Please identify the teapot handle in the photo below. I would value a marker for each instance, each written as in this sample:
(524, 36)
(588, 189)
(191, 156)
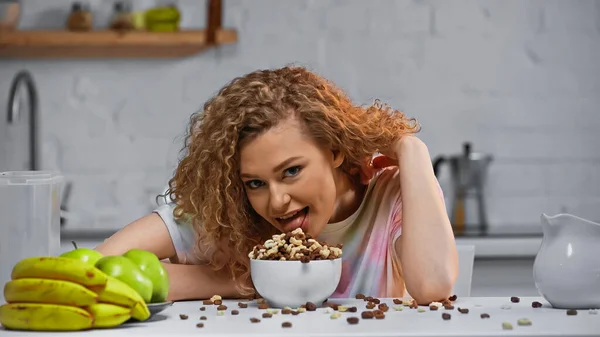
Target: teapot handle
(437, 162)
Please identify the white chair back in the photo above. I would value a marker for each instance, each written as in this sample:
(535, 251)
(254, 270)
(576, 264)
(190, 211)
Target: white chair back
(466, 258)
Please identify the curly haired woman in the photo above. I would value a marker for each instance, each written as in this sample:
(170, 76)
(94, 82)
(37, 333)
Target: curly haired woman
(279, 149)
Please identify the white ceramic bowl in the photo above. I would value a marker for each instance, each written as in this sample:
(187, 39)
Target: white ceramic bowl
(293, 283)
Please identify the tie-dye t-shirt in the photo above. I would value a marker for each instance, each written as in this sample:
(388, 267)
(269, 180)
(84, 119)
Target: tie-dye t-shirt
(370, 263)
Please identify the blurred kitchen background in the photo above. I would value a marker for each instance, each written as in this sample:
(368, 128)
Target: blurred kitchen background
(515, 84)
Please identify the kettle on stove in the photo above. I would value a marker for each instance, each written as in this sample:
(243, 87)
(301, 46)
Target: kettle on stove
(468, 172)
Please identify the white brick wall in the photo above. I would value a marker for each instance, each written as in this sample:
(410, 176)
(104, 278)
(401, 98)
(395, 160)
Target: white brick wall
(520, 79)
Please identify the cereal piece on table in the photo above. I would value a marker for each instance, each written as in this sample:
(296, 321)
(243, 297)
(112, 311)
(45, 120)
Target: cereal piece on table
(202, 308)
(222, 307)
(207, 302)
(200, 325)
(267, 315)
(515, 299)
(203, 318)
(506, 326)
(446, 316)
(352, 320)
(254, 320)
(433, 307)
(383, 307)
(352, 309)
(536, 304)
(215, 298)
(263, 306)
(182, 316)
(524, 322)
(485, 315)
(370, 305)
(286, 324)
(242, 305)
(235, 312)
(335, 315)
(449, 307)
(301, 309)
(436, 304)
(407, 302)
(359, 296)
(571, 312)
(397, 301)
(452, 298)
(421, 310)
(295, 312)
(311, 306)
(342, 308)
(399, 308)
(367, 315)
(378, 314)
(463, 310)
(273, 311)
(218, 302)
(376, 300)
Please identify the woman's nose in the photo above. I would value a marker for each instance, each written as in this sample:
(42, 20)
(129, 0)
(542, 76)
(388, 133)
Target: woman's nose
(279, 199)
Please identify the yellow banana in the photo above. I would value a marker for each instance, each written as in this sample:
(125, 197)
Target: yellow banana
(37, 290)
(140, 311)
(118, 292)
(59, 268)
(108, 315)
(44, 317)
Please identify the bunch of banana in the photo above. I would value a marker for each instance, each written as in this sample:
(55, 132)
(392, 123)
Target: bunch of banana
(63, 294)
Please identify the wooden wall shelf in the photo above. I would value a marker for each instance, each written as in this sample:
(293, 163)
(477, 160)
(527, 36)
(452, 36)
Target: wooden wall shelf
(109, 44)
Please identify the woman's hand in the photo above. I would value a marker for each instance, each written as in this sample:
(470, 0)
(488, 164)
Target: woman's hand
(389, 157)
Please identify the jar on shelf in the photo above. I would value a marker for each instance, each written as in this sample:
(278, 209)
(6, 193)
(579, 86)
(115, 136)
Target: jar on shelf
(122, 19)
(80, 19)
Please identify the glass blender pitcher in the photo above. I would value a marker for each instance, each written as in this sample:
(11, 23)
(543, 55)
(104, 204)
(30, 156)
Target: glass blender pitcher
(29, 217)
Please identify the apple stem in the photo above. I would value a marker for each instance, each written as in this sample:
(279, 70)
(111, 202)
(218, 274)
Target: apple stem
(74, 244)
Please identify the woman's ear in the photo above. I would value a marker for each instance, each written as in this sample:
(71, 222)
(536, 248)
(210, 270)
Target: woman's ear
(338, 158)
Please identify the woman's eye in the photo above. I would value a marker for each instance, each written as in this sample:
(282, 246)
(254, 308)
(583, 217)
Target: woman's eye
(292, 171)
(252, 184)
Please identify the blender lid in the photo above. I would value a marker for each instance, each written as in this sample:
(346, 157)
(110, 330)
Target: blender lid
(30, 178)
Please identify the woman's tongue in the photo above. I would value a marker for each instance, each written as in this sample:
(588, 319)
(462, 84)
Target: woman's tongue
(295, 221)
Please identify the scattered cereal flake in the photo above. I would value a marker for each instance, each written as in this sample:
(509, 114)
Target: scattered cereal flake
(506, 326)
(435, 304)
(407, 302)
(287, 308)
(273, 311)
(342, 308)
(400, 308)
(216, 297)
(335, 315)
(220, 313)
(524, 322)
(301, 309)
(421, 310)
(505, 307)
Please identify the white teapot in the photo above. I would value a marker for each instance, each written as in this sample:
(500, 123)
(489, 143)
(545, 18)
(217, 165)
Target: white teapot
(566, 270)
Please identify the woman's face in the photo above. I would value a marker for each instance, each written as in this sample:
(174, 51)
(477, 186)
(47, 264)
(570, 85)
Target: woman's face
(289, 179)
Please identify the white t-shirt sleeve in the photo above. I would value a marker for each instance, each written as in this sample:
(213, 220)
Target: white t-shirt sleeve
(182, 234)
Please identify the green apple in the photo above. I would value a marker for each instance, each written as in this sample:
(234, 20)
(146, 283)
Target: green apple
(86, 255)
(125, 270)
(150, 265)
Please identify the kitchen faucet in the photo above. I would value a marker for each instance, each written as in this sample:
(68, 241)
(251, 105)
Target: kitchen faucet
(14, 109)
(24, 78)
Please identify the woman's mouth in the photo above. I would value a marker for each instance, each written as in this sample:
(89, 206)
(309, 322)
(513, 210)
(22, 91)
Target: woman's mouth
(298, 219)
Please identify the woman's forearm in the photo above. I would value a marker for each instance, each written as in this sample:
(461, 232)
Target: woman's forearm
(426, 248)
(194, 282)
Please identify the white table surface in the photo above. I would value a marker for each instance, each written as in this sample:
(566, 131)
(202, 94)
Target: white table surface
(546, 321)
